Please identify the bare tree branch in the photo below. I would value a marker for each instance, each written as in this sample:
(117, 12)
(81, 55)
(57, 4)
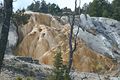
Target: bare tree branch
(73, 48)
(72, 23)
(75, 36)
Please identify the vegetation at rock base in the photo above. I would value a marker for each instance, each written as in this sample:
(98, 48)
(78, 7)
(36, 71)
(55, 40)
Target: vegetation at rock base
(18, 78)
(60, 71)
(27, 78)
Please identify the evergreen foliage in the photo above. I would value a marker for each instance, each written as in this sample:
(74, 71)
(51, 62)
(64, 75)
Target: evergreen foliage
(35, 7)
(44, 7)
(20, 18)
(60, 71)
(27, 78)
(103, 8)
(99, 8)
(54, 9)
(116, 9)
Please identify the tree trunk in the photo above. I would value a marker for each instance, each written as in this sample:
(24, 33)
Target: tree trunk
(73, 48)
(5, 29)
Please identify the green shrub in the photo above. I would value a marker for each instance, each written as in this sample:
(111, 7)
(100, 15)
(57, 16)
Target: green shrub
(27, 78)
(20, 18)
(18, 78)
(60, 71)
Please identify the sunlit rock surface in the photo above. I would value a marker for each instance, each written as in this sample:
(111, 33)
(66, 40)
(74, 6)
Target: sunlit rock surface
(25, 67)
(43, 34)
(100, 34)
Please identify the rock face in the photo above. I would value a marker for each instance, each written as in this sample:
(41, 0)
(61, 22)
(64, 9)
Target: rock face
(91, 76)
(101, 34)
(25, 67)
(42, 36)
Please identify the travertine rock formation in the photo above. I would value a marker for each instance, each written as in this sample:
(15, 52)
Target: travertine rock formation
(43, 34)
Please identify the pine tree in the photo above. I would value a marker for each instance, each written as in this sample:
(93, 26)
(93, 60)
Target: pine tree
(44, 7)
(116, 9)
(60, 71)
(99, 8)
(94, 8)
(35, 7)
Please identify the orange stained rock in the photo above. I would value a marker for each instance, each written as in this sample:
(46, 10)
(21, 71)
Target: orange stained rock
(43, 34)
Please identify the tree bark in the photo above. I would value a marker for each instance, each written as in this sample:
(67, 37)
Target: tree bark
(71, 38)
(5, 29)
(73, 48)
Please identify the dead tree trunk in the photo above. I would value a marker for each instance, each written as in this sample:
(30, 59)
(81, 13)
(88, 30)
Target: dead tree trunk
(5, 29)
(71, 38)
(73, 48)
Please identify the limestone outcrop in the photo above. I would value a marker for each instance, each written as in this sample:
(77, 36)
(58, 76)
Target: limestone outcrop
(100, 34)
(42, 36)
(25, 67)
